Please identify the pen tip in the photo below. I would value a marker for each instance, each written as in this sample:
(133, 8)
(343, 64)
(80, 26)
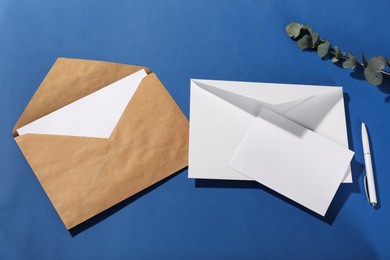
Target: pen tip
(363, 126)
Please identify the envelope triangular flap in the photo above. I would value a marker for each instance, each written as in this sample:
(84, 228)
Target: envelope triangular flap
(249, 104)
(269, 93)
(69, 80)
(84, 176)
(318, 108)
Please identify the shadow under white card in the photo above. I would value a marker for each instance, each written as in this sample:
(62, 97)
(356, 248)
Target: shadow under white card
(292, 160)
(95, 115)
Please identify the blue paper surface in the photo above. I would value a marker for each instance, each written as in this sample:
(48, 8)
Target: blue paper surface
(180, 217)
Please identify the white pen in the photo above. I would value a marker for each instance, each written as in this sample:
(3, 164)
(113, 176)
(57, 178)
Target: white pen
(369, 182)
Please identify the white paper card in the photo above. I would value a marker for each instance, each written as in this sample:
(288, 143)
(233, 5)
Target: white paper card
(292, 160)
(95, 115)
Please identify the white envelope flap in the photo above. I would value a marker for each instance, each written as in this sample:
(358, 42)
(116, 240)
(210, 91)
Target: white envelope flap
(293, 101)
(270, 93)
(94, 115)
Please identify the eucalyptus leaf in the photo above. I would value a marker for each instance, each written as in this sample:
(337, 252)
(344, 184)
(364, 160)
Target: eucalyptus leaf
(323, 49)
(337, 55)
(305, 42)
(294, 29)
(315, 37)
(374, 69)
(350, 62)
(373, 77)
(376, 64)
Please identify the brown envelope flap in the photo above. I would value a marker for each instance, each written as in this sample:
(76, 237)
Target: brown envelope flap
(69, 80)
(84, 176)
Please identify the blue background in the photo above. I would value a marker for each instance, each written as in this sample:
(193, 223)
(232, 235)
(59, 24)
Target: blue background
(180, 217)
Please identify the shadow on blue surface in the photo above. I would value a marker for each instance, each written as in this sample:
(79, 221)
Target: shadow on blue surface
(339, 200)
(358, 73)
(385, 87)
(103, 215)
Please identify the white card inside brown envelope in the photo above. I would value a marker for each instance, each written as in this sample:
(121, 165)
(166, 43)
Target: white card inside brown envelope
(95, 115)
(83, 176)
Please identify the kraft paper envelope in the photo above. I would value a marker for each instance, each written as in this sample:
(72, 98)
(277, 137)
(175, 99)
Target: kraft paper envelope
(96, 133)
(223, 115)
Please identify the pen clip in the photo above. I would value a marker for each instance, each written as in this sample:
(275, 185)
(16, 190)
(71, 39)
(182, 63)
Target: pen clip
(366, 188)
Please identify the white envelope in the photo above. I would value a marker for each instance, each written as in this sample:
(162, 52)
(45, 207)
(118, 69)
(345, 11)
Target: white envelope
(222, 113)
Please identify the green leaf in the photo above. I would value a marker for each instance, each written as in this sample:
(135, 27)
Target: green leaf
(315, 37)
(382, 58)
(337, 55)
(376, 64)
(305, 42)
(350, 62)
(293, 29)
(373, 77)
(364, 60)
(323, 49)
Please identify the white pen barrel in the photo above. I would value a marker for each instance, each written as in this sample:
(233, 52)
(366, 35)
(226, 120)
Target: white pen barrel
(370, 179)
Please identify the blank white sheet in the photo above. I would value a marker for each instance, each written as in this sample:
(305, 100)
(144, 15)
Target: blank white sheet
(292, 160)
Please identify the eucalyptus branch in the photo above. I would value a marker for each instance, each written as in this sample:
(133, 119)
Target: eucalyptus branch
(307, 39)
